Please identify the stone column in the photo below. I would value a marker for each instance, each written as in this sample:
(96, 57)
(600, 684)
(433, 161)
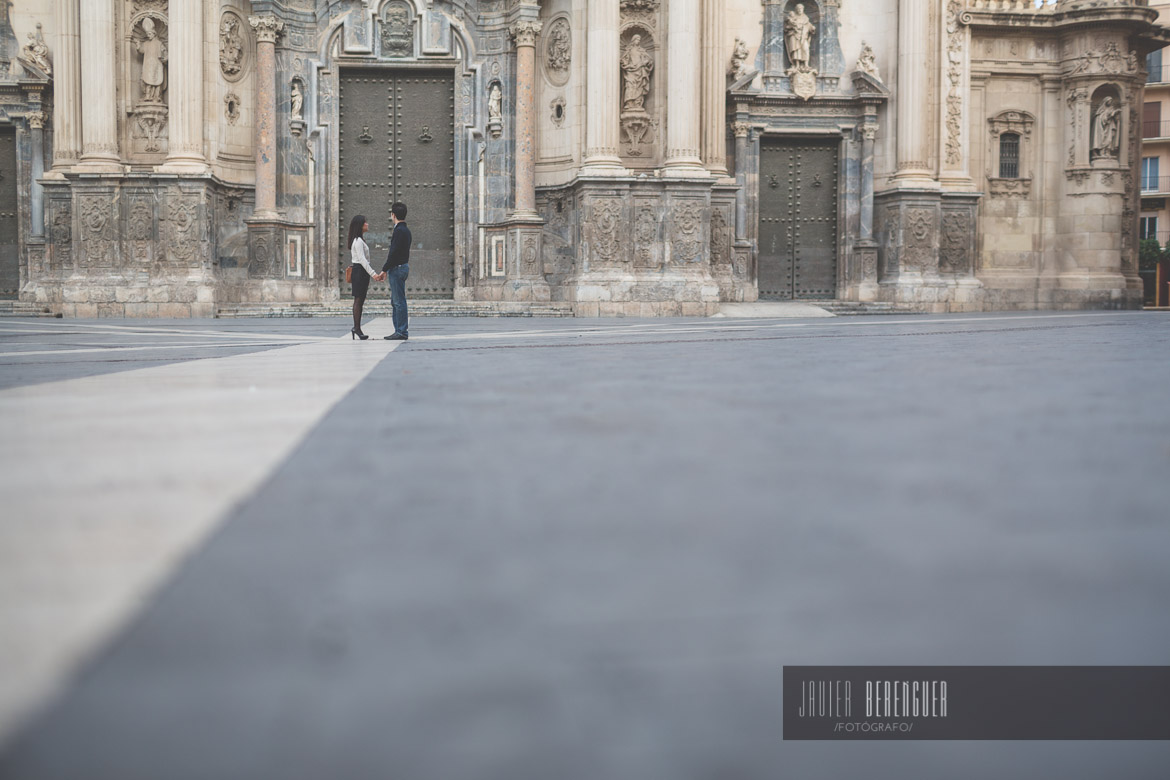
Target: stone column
(185, 84)
(603, 88)
(67, 88)
(682, 98)
(525, 33)
(267, 30)
(36, 126)
(868, 134)
(914, 100)
(99, 133)
(741, 178)
(714, 69)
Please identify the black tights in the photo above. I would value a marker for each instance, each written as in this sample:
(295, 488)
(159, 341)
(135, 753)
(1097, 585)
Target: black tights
(357, 313)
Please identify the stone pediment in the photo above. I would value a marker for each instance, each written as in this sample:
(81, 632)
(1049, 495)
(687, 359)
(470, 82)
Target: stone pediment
(868, 84)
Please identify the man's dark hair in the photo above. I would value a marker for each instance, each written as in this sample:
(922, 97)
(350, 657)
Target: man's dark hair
(399, 210)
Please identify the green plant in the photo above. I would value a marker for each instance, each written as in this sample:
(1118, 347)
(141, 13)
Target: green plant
(1150, 253)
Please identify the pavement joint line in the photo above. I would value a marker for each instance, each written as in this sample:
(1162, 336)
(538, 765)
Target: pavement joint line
(235, 345)
(969, 331)
(66, 325)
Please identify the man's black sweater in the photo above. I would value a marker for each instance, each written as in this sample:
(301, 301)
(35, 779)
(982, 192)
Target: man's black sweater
(399, 253)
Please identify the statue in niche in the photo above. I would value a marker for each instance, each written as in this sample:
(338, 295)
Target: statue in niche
(1107, 130)
(495, 105)
(636, 65)
(739, 56)
(798, 33)
(231, 46)
(36, 52)
(560, 47)
(298, 99)
(154, 57)
(867, 63)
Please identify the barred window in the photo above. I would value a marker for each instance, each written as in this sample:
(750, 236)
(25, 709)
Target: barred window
(1009, 156)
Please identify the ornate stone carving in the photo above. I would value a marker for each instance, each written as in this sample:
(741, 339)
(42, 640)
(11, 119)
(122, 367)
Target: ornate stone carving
(36, 120)
(919, 240)
(646, 234)
(61, 230)
(152, 125)
(36, 53)
(954, 252)
(686, 235)
(267, 28)
(1015, 189)
(605, 217)
(798, 34)
(233, 49)
(720, 239)
(1105, 58)
(296, 100)
(557, 111)
(1106, 142)
(525, 33)
(867, 62)
(140, 219)
(397, 31)
(495, 110)
(231, 103)
(558, 51)
(149, 43)
(956, 38)
(528, 256)
(740, 129)
(184, 234)
(739, 57)
(635, 6)
(97, 224)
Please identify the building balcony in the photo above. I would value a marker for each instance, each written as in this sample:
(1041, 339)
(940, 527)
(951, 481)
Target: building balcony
(1156, 131)
(1154, 186)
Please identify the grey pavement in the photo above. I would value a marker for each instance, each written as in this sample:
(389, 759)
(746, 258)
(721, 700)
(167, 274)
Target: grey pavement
(587, 549)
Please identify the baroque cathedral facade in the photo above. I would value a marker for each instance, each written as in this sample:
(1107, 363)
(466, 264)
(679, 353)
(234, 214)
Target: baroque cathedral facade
(611, 157)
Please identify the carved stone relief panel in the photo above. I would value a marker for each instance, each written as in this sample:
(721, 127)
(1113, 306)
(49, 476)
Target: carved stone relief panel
(233, 46)
(956, 58)
(955, 249)
(720, 238)
(398, 30)
(647, 242)
(139, 230)
(918, 250)
(605, 231)
(60, 234)
(98, 230)
(183, 233)
(686, 232)
(558, 51)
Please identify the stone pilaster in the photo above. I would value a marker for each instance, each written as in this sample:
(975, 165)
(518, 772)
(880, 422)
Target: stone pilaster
(525, 34)
(185, 85)
(603, 85)
(36, 125)
(67, 87)
(741, 129)
(99, 132)
(267, 30)
(714, 113)
(913, 94)
(682, 99)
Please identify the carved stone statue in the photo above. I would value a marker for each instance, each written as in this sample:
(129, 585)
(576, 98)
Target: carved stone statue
(298, 99)
(560, 46)
(1107, 130)
(36, 52)
(636, 65)
(866, 63)
(495, 105)
(739, 57)
(231, 46)
(798, 33)
(154, 55)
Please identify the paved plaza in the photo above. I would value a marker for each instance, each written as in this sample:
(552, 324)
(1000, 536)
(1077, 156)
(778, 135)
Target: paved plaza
(572, 549)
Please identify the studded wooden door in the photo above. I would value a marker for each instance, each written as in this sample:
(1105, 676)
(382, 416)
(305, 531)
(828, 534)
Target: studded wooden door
(9, 248)
(798, 220)
(397, 143)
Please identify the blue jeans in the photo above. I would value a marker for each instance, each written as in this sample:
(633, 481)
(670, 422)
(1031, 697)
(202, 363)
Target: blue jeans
(396, 276)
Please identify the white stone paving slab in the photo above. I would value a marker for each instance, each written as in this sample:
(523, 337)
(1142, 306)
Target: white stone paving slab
(108, 482)
(770, 309)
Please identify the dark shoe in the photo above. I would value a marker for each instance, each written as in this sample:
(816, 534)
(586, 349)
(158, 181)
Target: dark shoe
(355, 332)
(395, 337)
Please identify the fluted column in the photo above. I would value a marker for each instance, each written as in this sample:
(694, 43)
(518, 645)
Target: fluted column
(185, 86)
(99, 130)
(603, 87)
(912, 91)
(267, 30)
(67, 87)
(525, 35)
(714, 77)
(682, 99)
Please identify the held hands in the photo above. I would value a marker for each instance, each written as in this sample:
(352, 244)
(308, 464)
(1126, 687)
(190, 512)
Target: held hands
(380, 277)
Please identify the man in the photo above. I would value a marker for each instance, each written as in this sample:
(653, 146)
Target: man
(397, 268)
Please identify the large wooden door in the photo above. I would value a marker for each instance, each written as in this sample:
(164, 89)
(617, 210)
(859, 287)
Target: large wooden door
(798, 220)
(9, 246)
(397, 143)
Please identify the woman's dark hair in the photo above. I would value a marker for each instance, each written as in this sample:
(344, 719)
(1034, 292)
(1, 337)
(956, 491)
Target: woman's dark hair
(355, 230)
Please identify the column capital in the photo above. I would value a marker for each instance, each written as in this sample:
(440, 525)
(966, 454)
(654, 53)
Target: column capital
(267, 28)
(36, 120)
(740, 129)
(869, 132)
(525, 32)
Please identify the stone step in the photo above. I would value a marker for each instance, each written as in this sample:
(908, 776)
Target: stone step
(25, 309)
(419, 308)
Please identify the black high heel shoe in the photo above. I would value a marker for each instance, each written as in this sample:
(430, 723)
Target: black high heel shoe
(355, 332)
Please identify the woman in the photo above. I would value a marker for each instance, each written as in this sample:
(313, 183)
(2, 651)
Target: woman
(359, 255)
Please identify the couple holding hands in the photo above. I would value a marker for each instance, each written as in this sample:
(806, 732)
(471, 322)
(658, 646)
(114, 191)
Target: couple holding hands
(396, 269)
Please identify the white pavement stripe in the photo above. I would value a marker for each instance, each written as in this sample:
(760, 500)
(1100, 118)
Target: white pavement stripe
(83, 350)
(108, 482)
(171, 332)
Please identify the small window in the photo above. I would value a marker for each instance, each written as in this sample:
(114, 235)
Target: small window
(1154, 67)
(1150, 174)
(1009, 156)
(1148, 228)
